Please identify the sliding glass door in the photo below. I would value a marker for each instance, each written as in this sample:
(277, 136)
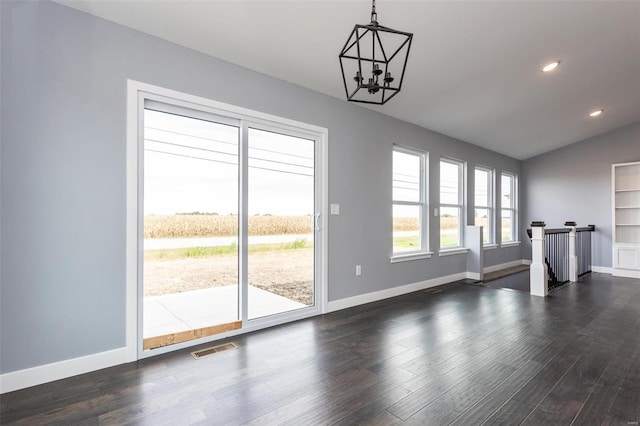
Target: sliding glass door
(281, 210)
(190, 275)
(229, 223)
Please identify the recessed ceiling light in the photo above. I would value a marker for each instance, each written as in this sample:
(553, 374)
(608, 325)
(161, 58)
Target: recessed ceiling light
(550, 66)
(596, 113)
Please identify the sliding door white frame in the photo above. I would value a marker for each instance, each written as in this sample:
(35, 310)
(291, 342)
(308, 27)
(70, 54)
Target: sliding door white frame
(137, 93)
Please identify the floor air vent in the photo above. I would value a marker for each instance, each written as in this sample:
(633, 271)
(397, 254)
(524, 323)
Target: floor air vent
(432, 290)
(213, 350)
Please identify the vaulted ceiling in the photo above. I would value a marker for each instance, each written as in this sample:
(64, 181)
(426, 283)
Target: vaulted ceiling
(474, 71)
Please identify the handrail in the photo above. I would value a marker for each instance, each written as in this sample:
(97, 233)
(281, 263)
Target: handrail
(564, 253)
(588, 228)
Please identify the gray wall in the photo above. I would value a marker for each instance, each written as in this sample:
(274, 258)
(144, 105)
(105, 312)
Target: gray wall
(574, 183)
(63, 175)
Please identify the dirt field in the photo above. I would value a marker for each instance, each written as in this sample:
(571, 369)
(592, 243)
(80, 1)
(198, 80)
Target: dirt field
(286, 273)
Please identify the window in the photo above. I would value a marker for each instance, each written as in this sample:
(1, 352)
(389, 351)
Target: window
(483, 202)
(508, 202)
(451, 203)
(409, 201)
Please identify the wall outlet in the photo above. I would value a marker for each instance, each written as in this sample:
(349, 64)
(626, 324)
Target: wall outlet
(358, 270)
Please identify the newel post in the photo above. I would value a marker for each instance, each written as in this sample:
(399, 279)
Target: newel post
(573, 258)
(538, 275)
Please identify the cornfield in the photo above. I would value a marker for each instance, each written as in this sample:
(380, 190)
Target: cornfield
(446, 222)
(198, 225)
(411, 224)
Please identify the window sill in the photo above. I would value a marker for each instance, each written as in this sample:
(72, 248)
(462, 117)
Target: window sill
(412, 256)
(490, 246)
(451, 252)
(510, 244)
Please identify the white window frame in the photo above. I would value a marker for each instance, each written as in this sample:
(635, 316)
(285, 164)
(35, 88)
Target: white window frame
(512, 207)
(422, 204)
(490, 206)
(460, 205)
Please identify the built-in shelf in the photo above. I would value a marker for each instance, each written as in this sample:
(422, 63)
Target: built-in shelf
(626, 219)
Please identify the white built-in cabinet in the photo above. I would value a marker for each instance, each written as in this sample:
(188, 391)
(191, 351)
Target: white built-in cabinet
(626, 219)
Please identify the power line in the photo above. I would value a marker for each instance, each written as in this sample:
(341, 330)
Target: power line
(190, 147)
(226, 153)
(235, 144)
(190, 156)
(407, 175)
(406, 181)
(225, 162)
(405, 188)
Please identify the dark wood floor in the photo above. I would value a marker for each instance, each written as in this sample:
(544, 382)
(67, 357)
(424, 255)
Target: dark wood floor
(466, 356)
(518, 281)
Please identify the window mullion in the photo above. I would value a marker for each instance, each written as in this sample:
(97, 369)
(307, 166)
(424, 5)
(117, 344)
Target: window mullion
(243, 208)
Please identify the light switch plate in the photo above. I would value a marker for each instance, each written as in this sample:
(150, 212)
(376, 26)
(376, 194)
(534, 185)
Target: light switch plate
(335, 208)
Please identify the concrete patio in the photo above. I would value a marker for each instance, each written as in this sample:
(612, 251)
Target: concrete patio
(172, 313)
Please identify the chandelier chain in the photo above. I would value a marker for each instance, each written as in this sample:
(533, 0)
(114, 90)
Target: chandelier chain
(374, 15)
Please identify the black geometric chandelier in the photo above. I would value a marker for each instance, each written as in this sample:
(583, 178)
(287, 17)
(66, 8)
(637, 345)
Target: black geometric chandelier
(373, 61)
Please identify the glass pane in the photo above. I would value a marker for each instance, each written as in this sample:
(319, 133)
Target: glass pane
(482, 219)
(449, 227)
(506, 189)
(406, 177)
(406, 228)
(190, 277)
(507, 226)
(481, 198)
(281, 212)
(449, 183)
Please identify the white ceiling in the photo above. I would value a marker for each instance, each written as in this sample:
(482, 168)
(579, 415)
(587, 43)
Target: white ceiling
(474, 67)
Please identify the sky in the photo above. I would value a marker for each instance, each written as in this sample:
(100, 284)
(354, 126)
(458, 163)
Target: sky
(191, 165)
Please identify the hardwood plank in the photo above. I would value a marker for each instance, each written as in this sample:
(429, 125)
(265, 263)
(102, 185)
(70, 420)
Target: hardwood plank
(568, 396)
(435, 384)
(324, 405)
(493, 400)
(462, 397)
(554, 409)
(626, 405)
(374, 411)
(597, 405)
(529, 396)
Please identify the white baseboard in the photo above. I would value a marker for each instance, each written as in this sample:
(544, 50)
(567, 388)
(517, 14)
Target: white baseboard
(350, 302)
(511, 264)
(626, 273)
(473, 276)
(602, 269)
(28, 377)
